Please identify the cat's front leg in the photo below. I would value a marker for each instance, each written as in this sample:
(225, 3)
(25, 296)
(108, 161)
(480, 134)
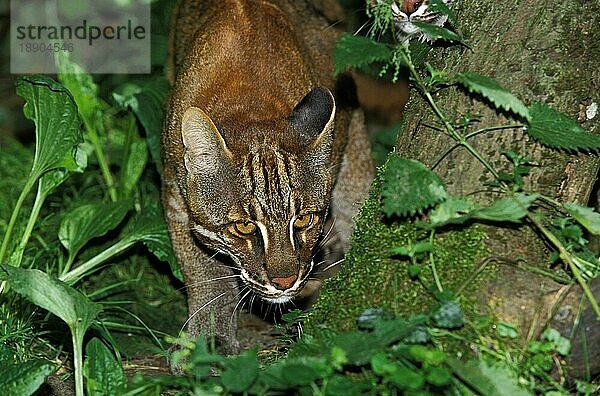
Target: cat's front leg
(211, 287)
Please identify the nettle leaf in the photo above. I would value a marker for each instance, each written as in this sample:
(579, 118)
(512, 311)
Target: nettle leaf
(585, 216)
(24, 378)
(357, 51)
(409, 187)
(506, 209)
(45, 291)
(51, 107)
(103, 372)
(435, 32)
(490, 89)
(89, 221)
(452, 210)
(147, 102)
(554, 129)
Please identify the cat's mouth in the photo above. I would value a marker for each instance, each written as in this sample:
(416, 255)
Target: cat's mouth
(278, 295)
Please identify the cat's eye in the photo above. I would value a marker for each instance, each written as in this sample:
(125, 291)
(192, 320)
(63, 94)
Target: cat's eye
(244, 227)
(305, 220)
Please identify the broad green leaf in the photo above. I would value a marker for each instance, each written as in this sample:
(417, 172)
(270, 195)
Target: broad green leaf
(407, 378)
(89, 221)
(47, 292)
(25, 378)
(452, 210)
(490, 89)
(585, 216)
(554, 129)
(147, 102)
(357, 51)
(240, 372)
(506, 209)
(438, 376)
(150, 228)
(305, 370)
(104, 374)
(429, 356)
(134, 167)
(561, 344)
(487, 380)
(51, 107)
(435, 32)
(382, 365)
(409, 187)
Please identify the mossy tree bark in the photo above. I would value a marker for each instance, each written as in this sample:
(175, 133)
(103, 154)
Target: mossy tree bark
(542, 51)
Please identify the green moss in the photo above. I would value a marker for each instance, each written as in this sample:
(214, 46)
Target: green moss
(370, 277)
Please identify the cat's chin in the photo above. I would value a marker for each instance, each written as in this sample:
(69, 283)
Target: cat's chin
(278, 300)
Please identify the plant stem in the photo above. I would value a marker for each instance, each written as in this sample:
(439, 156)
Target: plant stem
(73, 276)
(77, 339)
(104, 168)
(493, 128)
(15, 214)
(35, 212)
(565, 255)
(432, 264)
(451, 131)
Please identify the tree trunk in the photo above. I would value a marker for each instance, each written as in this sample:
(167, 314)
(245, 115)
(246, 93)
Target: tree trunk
(542, 51)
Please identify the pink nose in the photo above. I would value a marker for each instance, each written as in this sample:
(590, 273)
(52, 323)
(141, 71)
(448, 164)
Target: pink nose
(284, 283)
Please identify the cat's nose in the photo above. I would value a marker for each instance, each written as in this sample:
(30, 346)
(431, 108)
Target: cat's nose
(410, 6)
(284, 283)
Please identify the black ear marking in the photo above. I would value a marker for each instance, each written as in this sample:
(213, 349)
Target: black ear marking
(313, 113)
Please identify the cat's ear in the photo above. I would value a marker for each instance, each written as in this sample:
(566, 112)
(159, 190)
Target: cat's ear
(205, 148)
(314, 115)
(313, 121)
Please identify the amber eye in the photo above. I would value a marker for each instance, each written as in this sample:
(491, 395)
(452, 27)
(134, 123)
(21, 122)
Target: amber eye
(305, 220)
(243, 228)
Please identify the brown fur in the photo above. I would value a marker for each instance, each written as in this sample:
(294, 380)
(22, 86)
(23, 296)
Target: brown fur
(240, 145)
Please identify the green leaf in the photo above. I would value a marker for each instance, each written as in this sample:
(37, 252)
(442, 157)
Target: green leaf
(134, 167)
(449, 315)
(89, 221)
(409, 187)
(303, 371)
(104, 374)
(561, 344)
(150, 228)
(406, 378)
(357, 51)
(554, 129)
(25, 378)
(47, 292)
(426, 355)
(587, 217)
(435, 32)
(452, 210)
(240, 372)
(147, 102)
(487, 380)
(382, 366)
(506, 209)
(50, 106)
(438, 376)
(490, 89)
(507, 330)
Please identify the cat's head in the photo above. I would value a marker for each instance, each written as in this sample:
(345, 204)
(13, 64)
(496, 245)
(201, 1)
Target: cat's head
(405, 12)
(263, 201)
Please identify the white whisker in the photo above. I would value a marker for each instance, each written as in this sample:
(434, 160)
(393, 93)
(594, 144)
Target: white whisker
(200, 309)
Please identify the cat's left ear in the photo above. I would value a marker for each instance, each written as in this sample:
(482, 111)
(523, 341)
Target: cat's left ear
(313, 117)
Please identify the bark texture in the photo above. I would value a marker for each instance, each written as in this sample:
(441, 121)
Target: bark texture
(542, 51)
